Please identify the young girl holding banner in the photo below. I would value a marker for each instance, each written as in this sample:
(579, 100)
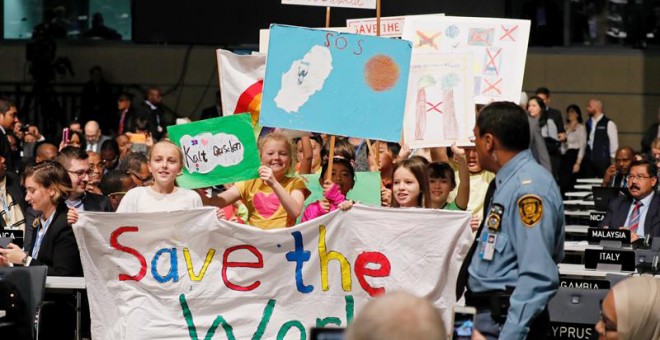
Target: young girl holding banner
(165, 164)
(273, 200)
(410, 185)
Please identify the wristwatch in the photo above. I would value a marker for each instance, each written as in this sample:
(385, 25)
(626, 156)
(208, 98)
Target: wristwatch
(26, 260)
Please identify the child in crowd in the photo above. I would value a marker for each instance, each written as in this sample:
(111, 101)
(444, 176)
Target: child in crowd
(309, 154)
(165, 164)
(335, 191)
(273, 200)
(442, 182)
(343, 149)
(388, 153)
(410, 184)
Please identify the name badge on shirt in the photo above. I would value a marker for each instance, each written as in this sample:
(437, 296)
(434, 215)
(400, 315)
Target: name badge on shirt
(487, 250)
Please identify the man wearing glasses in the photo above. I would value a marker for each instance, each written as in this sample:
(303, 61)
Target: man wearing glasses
(76, 163)
(640, 210)
(136, 165)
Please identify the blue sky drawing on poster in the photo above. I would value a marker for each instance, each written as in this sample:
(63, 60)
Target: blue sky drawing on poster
(336, 83)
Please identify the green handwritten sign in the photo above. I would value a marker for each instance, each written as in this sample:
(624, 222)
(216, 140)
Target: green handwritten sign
(216, 151)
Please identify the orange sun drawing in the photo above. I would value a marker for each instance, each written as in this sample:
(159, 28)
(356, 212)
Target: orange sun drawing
(381, 73)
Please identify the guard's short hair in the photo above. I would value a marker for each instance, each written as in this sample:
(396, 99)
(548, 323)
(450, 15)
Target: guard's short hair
(506, 121)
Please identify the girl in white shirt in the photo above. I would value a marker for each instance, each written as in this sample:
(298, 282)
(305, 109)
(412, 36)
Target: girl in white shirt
(165, 164)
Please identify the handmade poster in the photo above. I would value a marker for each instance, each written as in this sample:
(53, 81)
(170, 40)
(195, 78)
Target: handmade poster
(186, 275)
(366, 4)
(440, 102)
(391, 27)
(366, 189)
(336, 83)
(241, 82)
(499, 48)
(264, 36)
(216, 151)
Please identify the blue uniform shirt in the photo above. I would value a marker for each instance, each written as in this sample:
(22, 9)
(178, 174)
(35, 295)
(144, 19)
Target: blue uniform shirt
(529, 244)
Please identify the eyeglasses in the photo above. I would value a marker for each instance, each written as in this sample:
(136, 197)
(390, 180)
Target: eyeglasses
(81, 173)
(144, 181)
(637, 177)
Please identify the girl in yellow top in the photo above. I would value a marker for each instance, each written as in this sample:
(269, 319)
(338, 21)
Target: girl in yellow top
(273, 200)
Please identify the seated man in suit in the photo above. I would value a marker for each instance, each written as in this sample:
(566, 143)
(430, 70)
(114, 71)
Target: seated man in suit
(616, 175)
(640, 210)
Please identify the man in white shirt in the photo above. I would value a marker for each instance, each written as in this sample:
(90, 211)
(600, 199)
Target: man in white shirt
(602, 140)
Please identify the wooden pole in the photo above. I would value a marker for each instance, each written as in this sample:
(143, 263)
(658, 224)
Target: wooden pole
(331, 158)
(327, 17)
(331, 155)
(378, 18)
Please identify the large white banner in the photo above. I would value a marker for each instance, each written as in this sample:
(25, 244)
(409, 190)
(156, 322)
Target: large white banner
(184, 274)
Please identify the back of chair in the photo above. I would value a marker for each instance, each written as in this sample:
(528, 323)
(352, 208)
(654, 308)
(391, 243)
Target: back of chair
(30, 282)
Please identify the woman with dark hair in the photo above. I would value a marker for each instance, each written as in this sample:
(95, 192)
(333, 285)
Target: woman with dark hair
(47, 185)
(537, 110)
(572, 150)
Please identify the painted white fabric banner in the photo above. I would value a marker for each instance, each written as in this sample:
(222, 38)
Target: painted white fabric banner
(184, 274)
(499, 47)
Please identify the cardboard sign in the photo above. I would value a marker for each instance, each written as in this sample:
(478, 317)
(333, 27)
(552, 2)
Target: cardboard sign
(499, 47)
(391, 27)
(335, 83)
(439, 101)
(216, 151)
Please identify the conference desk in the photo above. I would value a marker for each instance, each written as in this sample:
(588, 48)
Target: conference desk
(589, 180)
(580, 203)
(69, 284)
(576, 229)
(578, 193)
(579, 213)
(584, 186)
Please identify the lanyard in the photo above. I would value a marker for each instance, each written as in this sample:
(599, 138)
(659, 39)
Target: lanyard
(43, 228)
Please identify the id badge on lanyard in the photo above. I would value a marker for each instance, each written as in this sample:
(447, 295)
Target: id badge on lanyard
(489, 238)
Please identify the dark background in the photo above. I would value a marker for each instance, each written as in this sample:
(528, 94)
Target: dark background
(231, 23)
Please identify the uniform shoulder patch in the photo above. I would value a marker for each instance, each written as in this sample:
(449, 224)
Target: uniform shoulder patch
(530, 208)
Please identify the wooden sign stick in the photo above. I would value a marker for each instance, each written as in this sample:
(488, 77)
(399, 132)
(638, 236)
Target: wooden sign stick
(327, 17)
(378, 18)
(331, 155)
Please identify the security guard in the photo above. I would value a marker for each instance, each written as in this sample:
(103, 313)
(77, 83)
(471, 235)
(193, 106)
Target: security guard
(512, 272)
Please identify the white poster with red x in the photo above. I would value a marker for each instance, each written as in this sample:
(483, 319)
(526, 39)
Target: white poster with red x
(439, 100)
(498, 46)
